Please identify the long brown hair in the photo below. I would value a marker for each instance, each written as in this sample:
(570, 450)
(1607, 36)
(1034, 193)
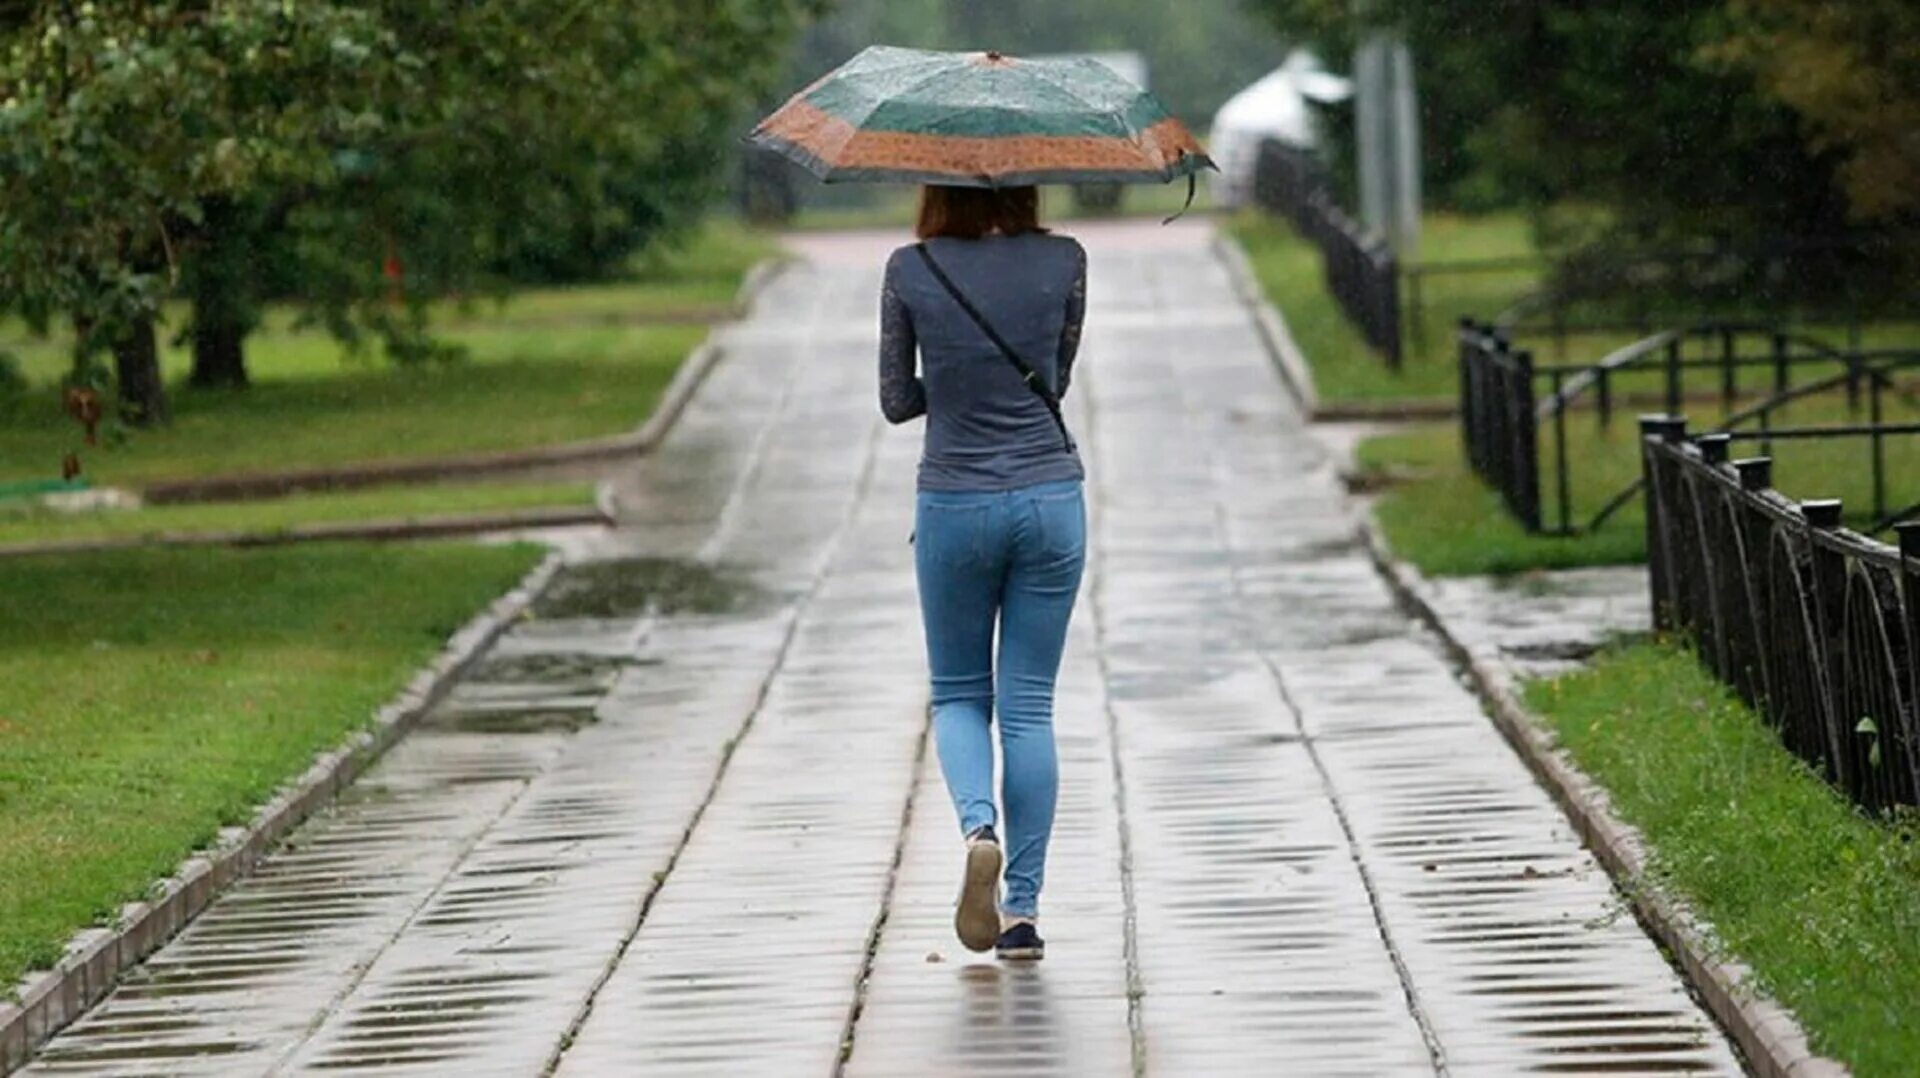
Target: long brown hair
(969, 213)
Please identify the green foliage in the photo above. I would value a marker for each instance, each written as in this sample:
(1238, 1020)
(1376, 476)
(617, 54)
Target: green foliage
(1852, 72)
(1607, 103)
(317, 146)
(1822, 903)
(117, 119)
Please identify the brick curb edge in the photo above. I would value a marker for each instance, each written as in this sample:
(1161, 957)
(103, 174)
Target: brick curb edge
(398, 529)
(95, 957)
(1768, 1035)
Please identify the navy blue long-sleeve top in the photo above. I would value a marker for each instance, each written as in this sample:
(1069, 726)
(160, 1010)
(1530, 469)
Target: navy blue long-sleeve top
(986, 430)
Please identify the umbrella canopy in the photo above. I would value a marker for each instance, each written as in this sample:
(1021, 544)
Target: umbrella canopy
(979, 119)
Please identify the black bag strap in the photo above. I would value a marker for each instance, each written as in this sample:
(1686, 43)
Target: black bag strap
(1027, 374)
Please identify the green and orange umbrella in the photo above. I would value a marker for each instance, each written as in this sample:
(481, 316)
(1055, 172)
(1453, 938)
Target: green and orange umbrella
(979, 119)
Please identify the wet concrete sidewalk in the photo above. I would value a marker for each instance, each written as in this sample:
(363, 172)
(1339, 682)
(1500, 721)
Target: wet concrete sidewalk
(687, 821)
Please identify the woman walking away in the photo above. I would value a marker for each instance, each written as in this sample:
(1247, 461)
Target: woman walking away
(994, 303)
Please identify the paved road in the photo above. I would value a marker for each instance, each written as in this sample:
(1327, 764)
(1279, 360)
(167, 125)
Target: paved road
(707, 837)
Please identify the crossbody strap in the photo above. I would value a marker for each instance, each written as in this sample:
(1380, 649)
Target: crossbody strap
(1027, 374)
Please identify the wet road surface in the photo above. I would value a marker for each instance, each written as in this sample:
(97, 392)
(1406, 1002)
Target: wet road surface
(686, 821)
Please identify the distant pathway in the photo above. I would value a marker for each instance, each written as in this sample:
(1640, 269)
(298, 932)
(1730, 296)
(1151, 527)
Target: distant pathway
(713, 840)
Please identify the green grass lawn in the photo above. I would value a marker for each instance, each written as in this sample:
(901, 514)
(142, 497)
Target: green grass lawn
(148, 698)
(549, 366)
(1821, 902)
(1345, 368)
(1438, 515)
(413, 502)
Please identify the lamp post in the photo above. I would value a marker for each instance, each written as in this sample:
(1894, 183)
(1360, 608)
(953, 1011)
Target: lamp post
(1387, 134)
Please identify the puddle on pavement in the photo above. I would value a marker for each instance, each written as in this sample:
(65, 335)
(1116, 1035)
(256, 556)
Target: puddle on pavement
(1572, 651)
(542, 721)
(633, 587)
(538, 668)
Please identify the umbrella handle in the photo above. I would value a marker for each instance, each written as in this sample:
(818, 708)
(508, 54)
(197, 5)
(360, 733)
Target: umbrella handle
(1189, 203)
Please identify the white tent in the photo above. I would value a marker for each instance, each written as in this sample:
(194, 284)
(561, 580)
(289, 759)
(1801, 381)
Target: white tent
(1277, 107)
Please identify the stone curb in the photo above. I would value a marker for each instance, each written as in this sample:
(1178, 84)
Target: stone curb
(395, 529)
(95, 957)
(687, 379)
(1281, 347)
(1768, 1035)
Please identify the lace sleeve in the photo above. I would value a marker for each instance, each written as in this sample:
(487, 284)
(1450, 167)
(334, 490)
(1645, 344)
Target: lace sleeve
(1076, 318)
(902, 395)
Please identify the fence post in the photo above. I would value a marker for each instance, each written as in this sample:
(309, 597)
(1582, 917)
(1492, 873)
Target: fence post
(1879, 447)
(1658, 429)
(1713, 447)
(1560, 466)
(1673, 375)
(1908, 532)
(1756, 473)
(1524, 479)
(1829, 610)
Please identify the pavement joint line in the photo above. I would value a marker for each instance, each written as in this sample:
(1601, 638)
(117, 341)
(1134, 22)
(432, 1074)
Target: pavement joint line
(1130, 919)
(848, 1038)
(862, 486)
(1223, 524)
(332, 1007)
(756, 459)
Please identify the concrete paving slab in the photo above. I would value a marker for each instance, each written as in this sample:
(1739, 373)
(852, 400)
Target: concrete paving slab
(705, 835)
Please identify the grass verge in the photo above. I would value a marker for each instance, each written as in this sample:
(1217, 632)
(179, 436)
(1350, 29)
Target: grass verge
(1822, 903)
(546, 366)
(148, 698)
(381, 504)
(1345, 368)
(1440, 516)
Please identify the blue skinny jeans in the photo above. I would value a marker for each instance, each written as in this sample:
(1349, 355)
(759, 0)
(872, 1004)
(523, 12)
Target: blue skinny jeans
(1012, 559)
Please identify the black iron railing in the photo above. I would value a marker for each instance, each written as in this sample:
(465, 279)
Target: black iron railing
(1813, 624)
(1499, 425)
(1514, 412)
(1359, 265)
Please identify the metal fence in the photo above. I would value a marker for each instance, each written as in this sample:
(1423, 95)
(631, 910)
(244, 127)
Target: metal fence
(1508, 404)
(1813, 624)
(1360, 267)
(1498, 420)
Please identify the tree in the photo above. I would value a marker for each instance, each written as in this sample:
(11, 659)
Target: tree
(1852, 73)
(120, 122)
(355, 151)
(1608, 103)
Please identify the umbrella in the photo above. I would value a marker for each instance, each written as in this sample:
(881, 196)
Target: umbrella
(979, 119)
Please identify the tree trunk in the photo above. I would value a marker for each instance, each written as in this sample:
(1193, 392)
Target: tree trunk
(219, 352)
(136, 368)
(222, 307)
